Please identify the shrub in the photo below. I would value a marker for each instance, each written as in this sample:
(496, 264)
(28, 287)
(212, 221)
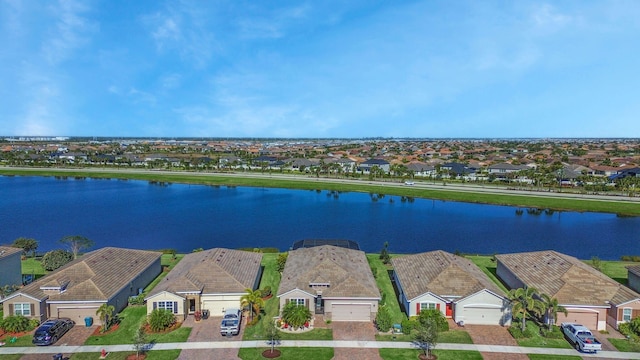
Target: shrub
(383, 319)
(281, 261)
(436, 316)
(16, 324)
(408, 326)
(161, 319)
(55, 259)
(266, 291)
(136, 300)
(516, 332)
(554, 333)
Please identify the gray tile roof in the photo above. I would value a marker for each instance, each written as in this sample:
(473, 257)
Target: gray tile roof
(213, 271)
(441, 273)
(345, 270)
(634, 269)
(566, 278)
(8, 250)
(95, 276)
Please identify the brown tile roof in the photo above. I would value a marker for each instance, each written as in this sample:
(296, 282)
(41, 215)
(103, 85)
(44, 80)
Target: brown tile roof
(345, 270)
(441, 273)
(96, 276)
(8, 250)
(213, 271)
(566, 278)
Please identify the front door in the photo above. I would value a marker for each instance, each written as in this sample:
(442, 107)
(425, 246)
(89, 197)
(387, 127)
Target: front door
(449, 310)
(192, 306)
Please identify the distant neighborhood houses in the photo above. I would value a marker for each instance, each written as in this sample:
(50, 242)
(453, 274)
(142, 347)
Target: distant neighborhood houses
(571, 162)
(332, 281)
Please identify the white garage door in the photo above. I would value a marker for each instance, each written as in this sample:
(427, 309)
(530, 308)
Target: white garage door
(78, 314)
(588, 319)
(482, 315)
(351, 312)
(217, 307)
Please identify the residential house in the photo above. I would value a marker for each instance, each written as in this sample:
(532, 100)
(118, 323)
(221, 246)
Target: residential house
(211, 280)
(332, 281)
(10, 266)
(106, 276)
(451, 284)
(590, 297)
(421, 169)
(366, 166)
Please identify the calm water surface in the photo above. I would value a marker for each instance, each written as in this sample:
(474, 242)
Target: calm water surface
(137, 214)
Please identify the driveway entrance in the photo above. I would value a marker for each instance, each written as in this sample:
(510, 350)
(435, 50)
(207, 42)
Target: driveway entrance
(359, 331)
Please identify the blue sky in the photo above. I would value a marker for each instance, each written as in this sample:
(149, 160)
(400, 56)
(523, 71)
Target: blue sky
(320, 68)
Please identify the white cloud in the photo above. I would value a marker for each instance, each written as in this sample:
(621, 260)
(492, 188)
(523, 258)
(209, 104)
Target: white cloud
(71, 31)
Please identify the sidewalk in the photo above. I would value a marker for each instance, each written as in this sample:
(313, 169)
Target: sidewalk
(310, 343)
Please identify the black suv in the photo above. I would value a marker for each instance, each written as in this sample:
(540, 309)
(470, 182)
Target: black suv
(51, 330)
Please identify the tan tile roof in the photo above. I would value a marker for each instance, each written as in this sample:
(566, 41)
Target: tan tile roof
(8, 250)
(566, 278)
(95, 276)
(442, 274)
(213, 271)
(345, 270)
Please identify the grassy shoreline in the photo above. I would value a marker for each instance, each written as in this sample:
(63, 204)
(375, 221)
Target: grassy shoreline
(304, 183)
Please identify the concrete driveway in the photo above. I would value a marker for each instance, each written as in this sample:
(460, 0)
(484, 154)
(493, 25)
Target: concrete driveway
(494, 335)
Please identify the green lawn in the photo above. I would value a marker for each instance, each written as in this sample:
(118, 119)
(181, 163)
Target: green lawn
(270, 277)
(381, 274)
(451, 337)
(31, 266)
(132, 318)
(309, 353)
(625, 345)
(315, 334)
(151, 355)
(410, 354)
(488, 266)
(617, 270)
(553, 357)
(11, 357)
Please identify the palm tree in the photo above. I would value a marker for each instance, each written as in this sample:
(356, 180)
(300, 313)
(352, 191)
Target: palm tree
(104, 312)
(253, 300)
(296, 315)
(524, 303)
(551, 309)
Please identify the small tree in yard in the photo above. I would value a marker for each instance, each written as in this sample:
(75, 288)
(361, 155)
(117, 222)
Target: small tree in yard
(425, 336)
(27, 245)
(384, 253)
(253, 300)
(273, 334)
(383, 319)
(55, 259)
(281, 261)
(296, 315)
(104, 312)
(77, 243)
(139, 341)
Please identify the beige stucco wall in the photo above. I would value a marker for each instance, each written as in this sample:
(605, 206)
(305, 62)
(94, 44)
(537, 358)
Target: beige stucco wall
(413, 304)
(167, 296)
(298, 294)
(615, 317)
(39, 308)
(76, 311)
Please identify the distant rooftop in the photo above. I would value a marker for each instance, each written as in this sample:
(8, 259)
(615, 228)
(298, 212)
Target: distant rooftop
(309, 243)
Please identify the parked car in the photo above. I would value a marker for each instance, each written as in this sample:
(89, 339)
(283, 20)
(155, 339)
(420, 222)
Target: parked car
(231, 322)
(51, 330)
(581, 337)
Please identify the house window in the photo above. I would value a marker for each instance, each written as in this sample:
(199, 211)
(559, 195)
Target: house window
(626, 314)
(297, 301)
(167, 305)
(23, 309)
(427, 306)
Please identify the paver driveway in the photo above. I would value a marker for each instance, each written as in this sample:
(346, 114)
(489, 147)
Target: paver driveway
(494, 335)
(209, 330)
(364, 331)
(76, 336)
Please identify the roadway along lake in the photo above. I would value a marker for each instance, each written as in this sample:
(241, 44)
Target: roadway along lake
(137, 214)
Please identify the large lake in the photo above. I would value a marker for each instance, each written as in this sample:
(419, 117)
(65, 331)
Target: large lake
(137, 214)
